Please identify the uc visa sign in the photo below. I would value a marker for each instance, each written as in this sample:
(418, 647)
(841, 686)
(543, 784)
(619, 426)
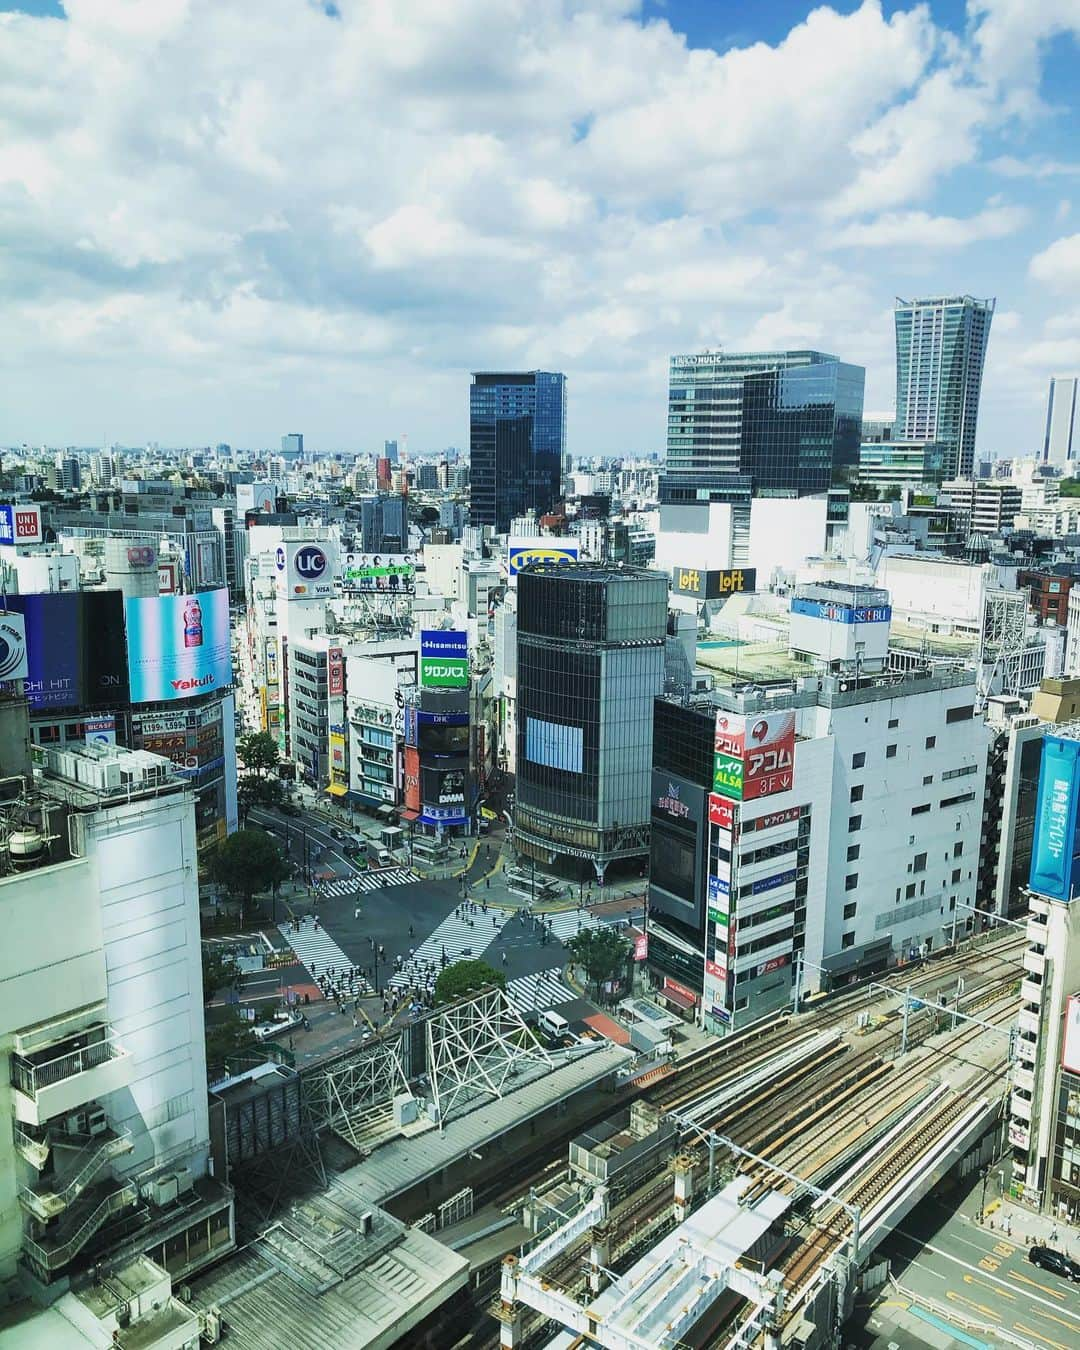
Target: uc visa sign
(305, 571)
(1055, 864)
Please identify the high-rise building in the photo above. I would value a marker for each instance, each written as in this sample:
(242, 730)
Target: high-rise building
(590, 659)
(1062, 442)
(940, 351)
(292, 445)
(786, 419)
(517, 439)
(384, 524)
(390, 451)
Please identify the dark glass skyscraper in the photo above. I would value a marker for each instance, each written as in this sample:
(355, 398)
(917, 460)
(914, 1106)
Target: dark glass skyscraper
(517, 438)
(787, 420)
(940, 351)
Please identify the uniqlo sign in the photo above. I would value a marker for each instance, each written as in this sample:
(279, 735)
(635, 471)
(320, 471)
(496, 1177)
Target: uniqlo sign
(20, 524)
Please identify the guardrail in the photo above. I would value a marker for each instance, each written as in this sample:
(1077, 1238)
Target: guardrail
(30, 1077)
(52, 1258)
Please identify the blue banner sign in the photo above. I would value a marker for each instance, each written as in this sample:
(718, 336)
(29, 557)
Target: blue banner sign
(1055, 867)
(828, 609)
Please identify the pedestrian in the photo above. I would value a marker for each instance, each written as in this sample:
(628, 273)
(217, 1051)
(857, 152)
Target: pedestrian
(504, 956)
(487, 883)
(354, 1022)
(356, 912)
(412, 933)
(494, 921)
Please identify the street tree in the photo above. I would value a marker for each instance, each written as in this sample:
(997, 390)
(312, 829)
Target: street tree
(220, 970)
(259, 784)
(230, 1044)
(466, 977)
(246, 863)
(601, 952)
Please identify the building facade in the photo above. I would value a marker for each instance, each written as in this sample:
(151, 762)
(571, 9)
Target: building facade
(1062, 441)
(517, 440)
(590, 659)
(940, 352)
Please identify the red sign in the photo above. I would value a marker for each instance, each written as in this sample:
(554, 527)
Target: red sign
(777, 963)
(669, 983)
(718, 972)
(28, 524)
(777, 818)
(142, 555)
(641, 947)
(721, 811)
(769, 756)
(335, 676)
(412, 778)
(730, 734)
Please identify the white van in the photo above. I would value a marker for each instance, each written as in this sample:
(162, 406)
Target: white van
(553, 1024)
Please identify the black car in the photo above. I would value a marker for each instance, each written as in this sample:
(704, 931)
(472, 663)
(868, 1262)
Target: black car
(1046, 1258)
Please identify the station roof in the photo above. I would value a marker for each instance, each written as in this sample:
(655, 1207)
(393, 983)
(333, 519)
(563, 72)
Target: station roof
(400, 1164)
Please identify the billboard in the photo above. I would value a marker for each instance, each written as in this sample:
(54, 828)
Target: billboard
(713, 585)
(304, 571)
(444, 658)
(1055, 867)
(378, 572)
(20, 524)
(74, 649)
(335, 672)
(412, 779)
(554, 744)
(828, 609)
(178, 645)
(721, 812)
(754, 756)
(538, 549)
(1070, 1035)
(261, 497)
(13, 662)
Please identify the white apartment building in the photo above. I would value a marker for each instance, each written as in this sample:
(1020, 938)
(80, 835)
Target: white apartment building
(101, 1016)
(862, 848)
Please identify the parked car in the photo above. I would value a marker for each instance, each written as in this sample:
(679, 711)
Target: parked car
(1048, 1258)
(282, 1022)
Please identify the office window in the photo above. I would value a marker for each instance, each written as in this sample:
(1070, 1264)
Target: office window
(854, 823)
(927, 779)
(909, 890)
(853, 852)
(890, 752)
(931, 741)
(956, 876)
(851, 881)
(962, 714)
(894, 722)
(848, 940)
(849, 910)
(919, 863)
(920, 810)
(958, 800)
(856, 793)
(858, 760)
(958, 848)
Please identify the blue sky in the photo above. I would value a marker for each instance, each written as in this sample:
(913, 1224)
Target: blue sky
(215, 231)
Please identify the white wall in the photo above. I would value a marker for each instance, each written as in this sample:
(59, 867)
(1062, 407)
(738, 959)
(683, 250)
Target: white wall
(784, 531)
(694, 536)
(938, 588)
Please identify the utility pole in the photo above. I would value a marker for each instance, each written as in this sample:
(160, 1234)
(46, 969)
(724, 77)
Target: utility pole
(907, 1005)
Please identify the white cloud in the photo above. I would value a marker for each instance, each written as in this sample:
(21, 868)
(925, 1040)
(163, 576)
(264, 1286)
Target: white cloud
(1059, 264)
(920, 230)
(1012, 167)
(225, 223)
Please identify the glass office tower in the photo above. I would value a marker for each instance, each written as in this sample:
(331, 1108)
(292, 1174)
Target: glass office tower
(1062, 443)
(787, 420)
(517, 439)
(940, 352)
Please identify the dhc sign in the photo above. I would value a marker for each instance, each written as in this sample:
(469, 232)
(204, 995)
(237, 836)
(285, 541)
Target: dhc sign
(1055, 867)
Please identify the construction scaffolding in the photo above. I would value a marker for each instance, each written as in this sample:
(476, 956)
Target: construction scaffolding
(476, 1047)
(343, 1093)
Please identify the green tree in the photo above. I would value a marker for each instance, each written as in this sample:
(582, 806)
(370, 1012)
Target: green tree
(220, 970)
(246, 863)
(1070, 487)
(259, 784)
(602, 952)
(230, 1044)
(466, 977)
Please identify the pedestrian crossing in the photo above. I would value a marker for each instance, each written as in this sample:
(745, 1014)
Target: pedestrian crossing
(537, 992)
(317, 951)
(369, 881)
(568, 923)
(460, 934)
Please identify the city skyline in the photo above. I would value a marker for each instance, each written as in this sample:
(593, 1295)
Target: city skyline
(591, 189)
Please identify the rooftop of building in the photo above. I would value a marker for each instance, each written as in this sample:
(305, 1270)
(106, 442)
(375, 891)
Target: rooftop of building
(594, 571)
(331, 1270)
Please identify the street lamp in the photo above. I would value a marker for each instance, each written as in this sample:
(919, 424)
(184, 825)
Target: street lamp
(982, 1201)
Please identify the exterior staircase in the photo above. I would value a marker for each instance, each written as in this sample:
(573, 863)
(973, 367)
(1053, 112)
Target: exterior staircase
(55, 1249)
(44, 1204)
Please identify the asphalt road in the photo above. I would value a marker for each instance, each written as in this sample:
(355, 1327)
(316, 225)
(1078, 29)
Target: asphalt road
(296, 833)
(983, 1274)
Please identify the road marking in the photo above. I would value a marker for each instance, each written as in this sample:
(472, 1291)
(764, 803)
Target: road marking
(1028, 1331)
(1004, 1249)
(979, 1307)
(970, 1279)
(989, 1263)
(1036, 1285)
(948, 1256)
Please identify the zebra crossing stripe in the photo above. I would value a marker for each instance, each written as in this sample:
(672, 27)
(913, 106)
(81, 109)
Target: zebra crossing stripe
(456, 936)
(530, 993)
(370, 881)
(317, 952)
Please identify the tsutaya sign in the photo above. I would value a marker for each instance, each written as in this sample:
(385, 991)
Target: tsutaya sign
(754, 756)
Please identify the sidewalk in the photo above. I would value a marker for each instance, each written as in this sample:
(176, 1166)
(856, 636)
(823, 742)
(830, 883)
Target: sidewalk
(1026, 1227)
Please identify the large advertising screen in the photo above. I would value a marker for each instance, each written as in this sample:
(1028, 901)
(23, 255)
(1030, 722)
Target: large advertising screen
(178, 645)
(74, 649)
(1055, 867)
(444, 658)
(754, 756)
(554, 744)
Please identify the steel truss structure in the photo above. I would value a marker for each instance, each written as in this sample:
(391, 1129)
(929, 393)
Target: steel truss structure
(1002, 640)
(476, 1046)
(341, 1090)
